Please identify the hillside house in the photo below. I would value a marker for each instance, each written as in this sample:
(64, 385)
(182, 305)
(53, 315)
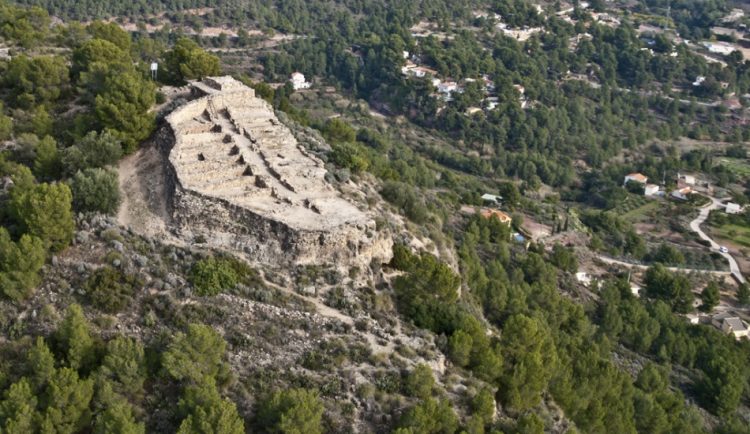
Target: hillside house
(490, 213)
(491, 199)
(587, 280)
(733, 208)
(635, 177)
(408, 67)
(606, 19)
(489, 85)
(298, 81)
(682, 193)
(719, 47)
(731, 325)
(686, 179)
(650, 190)
(447, 87)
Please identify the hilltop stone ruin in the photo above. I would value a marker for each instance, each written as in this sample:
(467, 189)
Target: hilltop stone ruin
(242, 181)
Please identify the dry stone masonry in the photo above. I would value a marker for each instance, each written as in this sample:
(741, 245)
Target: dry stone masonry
(242, 181)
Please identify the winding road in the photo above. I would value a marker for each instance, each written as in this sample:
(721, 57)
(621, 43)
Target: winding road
(695, 226)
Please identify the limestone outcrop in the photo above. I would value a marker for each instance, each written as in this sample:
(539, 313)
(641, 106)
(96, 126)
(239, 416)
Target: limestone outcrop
(242, 181)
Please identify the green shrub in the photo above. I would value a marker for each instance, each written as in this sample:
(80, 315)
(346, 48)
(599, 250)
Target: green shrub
(292, 411)
(96, 190)
(350, 156)
(20, 263)
(419, 382)
(110, 289)
(93, 150)
(214, 275)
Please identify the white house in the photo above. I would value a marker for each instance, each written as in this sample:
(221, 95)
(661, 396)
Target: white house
(489, 85)
(635, 177)
(718, 47)
(733, 208)
(686, 179)
(421, 71)
(693, 318)
(607, 19)
(699, 80)
(492, 198)
(587, 280)
(583, 278)
(635, 289)
(731, 325)
(447, 87)
(650, 190)
(298, 81)
(408, 67)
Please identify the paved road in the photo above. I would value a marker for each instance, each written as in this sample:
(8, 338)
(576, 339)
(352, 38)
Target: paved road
(695, 226)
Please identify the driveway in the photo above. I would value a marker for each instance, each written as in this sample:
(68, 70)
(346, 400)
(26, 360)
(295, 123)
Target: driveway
(695, 226)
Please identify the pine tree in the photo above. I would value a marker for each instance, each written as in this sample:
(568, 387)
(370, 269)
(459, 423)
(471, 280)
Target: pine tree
(293, 411)
(18, 413)
(41, 364)
(118, 418)
(75, 340)
(66, 402)
(709, 297)
(743, 294)
(20, 264)
(208, 413)
(196, 355)
(530, 360)
(44, 211)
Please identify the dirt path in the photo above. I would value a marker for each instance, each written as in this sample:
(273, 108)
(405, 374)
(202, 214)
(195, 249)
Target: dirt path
(326, 311)
(608, 260)
(143, 195)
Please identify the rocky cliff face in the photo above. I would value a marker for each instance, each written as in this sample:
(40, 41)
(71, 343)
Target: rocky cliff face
(240, 181)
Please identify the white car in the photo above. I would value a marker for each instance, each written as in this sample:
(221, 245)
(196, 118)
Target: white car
(723, 249)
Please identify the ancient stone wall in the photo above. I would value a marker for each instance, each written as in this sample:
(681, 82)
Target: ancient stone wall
(241, 181)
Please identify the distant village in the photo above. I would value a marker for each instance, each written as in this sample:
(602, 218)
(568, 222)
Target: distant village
(733, 38)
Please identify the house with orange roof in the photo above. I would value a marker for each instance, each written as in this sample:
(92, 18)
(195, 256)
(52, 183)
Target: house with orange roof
(490, 213)
(636, 177)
